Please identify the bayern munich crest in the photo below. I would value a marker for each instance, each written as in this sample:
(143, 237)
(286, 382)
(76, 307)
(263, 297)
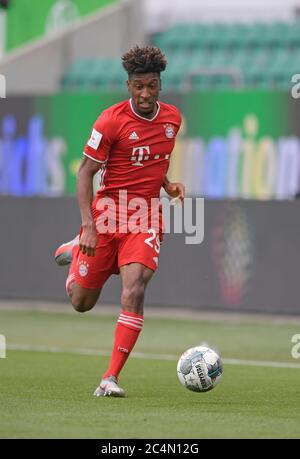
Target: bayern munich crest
(169, 131)
(83, 269)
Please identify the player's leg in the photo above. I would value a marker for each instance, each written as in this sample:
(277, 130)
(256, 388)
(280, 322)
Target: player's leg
(138, 259)
(82, 298)
(135, 277)
(88, 274)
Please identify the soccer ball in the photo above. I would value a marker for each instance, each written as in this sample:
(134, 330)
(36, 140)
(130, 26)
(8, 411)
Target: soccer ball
(199, 369)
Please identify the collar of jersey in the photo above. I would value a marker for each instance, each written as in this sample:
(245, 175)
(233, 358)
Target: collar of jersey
(146, 119)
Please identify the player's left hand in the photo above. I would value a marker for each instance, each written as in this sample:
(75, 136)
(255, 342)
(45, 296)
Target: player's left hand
(175, 190)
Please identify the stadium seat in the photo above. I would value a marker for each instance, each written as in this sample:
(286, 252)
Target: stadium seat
(76, 74)
(261, 51)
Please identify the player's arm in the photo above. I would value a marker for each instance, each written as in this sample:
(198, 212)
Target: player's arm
(175, 189)
(96, 154)
(84, 191)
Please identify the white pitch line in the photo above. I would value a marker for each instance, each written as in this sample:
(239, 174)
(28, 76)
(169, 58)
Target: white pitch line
(261, 363)
(141, 355)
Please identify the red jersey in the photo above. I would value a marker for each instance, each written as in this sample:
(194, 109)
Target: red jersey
(134, 151)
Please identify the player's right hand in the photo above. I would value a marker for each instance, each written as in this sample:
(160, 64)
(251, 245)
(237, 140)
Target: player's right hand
(88, 240)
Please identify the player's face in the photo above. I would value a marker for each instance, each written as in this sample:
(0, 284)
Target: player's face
(144, 90)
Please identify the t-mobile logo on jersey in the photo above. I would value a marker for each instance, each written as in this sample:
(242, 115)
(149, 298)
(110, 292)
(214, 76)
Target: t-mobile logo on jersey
(140, 154)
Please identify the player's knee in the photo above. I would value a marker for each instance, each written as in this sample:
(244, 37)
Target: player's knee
(82, 305)
(133, 295)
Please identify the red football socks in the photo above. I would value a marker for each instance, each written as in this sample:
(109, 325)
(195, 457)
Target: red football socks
(127, 331)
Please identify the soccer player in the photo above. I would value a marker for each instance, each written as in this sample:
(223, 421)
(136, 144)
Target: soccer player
(130, 146)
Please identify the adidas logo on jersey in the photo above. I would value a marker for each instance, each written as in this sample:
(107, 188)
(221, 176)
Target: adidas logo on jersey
(133, 136)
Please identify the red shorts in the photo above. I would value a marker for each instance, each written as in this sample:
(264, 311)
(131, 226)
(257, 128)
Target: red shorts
(116, 250)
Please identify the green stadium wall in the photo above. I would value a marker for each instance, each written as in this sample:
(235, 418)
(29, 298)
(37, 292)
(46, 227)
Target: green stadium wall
(26, 19)
(231, 145)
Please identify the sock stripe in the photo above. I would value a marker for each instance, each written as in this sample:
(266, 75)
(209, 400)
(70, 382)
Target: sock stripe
(132, 322)
(133, 315)
(125, 322)
(132, 319)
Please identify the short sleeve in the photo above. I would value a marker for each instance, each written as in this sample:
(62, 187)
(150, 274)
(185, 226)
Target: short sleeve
(101, 139)
(175, 117)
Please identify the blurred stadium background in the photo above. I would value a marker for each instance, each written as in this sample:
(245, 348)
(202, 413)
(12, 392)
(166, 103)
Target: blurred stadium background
(232, 70)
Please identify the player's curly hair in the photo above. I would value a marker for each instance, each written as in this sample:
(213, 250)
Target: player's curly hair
(144, 60)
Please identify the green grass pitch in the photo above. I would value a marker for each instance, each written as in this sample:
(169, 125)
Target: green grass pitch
(46, 394)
